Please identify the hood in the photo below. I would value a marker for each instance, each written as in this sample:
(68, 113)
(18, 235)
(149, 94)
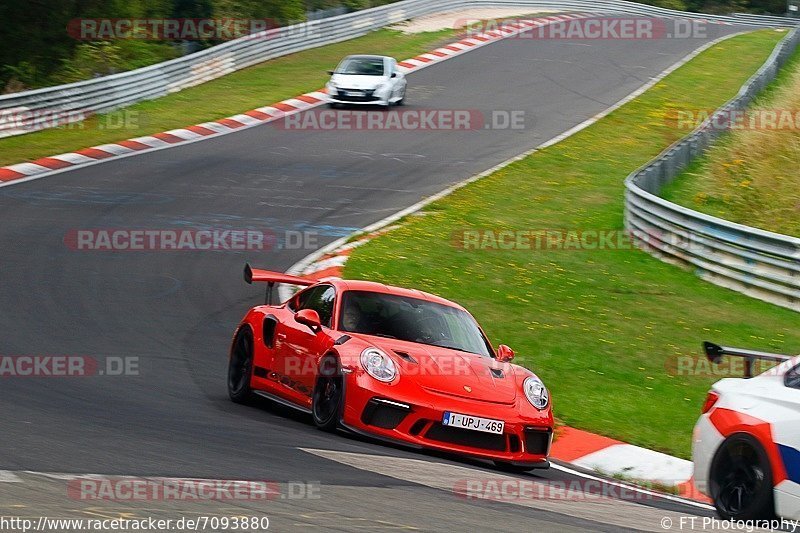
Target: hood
(451, 372)
(348, 81)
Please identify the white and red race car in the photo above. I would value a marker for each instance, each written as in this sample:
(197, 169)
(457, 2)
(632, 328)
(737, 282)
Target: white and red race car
(746, 445)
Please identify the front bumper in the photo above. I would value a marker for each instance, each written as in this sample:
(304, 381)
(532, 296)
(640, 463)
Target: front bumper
(348, 96)
(413, 416)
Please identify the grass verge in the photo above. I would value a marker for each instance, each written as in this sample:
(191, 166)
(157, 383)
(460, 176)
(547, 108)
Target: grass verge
(604, 328)
(257, 86)
(751, 175)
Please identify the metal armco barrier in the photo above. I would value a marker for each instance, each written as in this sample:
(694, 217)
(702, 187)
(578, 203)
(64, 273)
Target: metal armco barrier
(755, 262)
(42, 108)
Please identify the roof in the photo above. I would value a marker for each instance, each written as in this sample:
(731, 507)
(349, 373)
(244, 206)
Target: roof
(366, 56)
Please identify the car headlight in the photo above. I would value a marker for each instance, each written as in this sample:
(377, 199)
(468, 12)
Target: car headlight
(332, 85)
(378, 365)
(536, 392)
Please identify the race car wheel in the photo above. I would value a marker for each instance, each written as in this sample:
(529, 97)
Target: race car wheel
(741, 480)
(240, 366)
(326, 400)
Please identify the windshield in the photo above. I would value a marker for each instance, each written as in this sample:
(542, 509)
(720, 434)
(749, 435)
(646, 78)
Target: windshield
(361, 66)
(411, 319)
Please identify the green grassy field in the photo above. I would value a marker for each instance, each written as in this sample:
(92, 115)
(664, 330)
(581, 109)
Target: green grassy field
(257, 86)
(751, 175)
(602, 327)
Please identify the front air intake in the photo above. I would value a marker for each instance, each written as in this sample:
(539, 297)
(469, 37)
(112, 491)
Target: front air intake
(384, 414)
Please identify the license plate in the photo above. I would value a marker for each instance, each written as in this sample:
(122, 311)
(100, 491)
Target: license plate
(354, 93)
(475, 423)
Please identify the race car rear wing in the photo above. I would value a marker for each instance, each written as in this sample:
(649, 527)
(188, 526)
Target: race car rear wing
(267, 276)
(715, 353)
(271, 278)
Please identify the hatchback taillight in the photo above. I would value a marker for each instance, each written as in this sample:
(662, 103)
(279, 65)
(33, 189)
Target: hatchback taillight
(711, 399)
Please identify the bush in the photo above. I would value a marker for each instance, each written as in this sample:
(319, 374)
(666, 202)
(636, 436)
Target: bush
(102, 58)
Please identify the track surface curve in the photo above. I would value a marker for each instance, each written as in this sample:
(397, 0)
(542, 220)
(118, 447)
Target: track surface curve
(177, 310)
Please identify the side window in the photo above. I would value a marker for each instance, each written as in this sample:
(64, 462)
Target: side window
(792, 379)
(299, 301)
(320, 299)
(294, 302)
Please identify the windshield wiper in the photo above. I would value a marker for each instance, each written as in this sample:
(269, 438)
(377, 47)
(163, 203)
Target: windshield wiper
(384, 335)
(455, 348)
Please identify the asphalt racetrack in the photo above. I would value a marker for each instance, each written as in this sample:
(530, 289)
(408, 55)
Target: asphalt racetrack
(176, 310)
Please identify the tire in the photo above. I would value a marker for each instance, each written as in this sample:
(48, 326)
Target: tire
(327, 399)
(240, 366)
(508, 467)
(741, 480)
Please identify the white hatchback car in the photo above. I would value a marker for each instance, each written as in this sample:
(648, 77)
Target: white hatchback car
(365, 79)
(746, 444)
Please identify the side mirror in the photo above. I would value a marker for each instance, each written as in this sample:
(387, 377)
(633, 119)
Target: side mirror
(394, 74)
(310, 318)
(331, 72)
(504, 353)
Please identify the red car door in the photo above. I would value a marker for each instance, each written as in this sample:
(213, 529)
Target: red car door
(298, 348)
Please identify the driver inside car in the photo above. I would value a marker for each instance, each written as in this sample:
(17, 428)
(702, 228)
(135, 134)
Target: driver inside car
(351, 318)
(359, 318)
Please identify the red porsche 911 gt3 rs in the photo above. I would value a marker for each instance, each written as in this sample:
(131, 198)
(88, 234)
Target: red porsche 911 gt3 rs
(391, 363)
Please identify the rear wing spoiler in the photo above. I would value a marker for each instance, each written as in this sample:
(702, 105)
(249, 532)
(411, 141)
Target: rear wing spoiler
(715, 353)
(269, 277)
